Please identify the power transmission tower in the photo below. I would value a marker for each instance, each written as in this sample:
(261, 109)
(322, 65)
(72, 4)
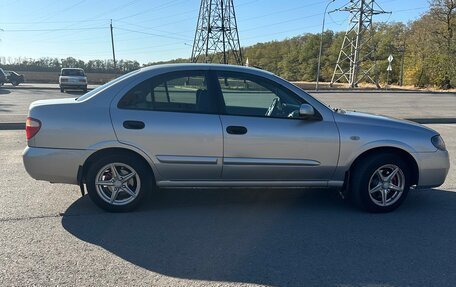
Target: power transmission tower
(356, 61)
(216, 36)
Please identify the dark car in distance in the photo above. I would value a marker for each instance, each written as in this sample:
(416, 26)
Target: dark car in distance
(2, 77)
(14, 78)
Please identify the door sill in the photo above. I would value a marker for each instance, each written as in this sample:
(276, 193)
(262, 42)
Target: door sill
(249, 184)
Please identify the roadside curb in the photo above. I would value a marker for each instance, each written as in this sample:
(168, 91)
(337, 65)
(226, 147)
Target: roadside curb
(430, 121)
(12, 88)
(12, 126)
(30, 88)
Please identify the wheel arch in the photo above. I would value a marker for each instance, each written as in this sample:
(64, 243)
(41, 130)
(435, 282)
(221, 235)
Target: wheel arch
(403, 154)
(114, 150)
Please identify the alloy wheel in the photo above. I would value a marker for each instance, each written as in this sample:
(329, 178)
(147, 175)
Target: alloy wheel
(386, 185)
(117, 184)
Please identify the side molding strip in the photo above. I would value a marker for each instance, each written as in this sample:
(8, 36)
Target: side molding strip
(187, 159)
(269, 161)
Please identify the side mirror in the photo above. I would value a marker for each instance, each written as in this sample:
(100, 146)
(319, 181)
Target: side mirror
(306, 111)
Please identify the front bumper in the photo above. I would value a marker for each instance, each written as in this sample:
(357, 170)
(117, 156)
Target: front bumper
(53, 165)
(433, 168)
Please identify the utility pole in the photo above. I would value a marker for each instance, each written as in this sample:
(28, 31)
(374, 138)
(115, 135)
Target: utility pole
(216, 36)
(357, 61)
(321, 45)
(113, 51)
(402, 51)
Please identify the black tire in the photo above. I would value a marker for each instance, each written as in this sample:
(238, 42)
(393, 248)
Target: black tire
(84, 90)
(15, 83)
(361, 177)
(138, 165)
(62, 90)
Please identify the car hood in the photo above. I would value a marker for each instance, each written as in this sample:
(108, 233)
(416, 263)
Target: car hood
(380, 120)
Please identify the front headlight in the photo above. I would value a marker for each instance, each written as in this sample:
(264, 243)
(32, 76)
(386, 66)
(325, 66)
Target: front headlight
(438, 142)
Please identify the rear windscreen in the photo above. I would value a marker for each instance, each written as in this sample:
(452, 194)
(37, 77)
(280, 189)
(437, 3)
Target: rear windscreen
(72, 72)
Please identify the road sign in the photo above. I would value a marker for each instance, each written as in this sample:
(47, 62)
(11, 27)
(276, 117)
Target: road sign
(390, 68)
(390, 58)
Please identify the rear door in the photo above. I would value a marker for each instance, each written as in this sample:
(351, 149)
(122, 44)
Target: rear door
(264, 137)
(174, 119)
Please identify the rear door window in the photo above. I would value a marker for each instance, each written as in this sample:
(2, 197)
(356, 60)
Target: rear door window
(175, 92)
(72, 72)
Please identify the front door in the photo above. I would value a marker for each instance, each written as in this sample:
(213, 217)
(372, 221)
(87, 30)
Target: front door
(174, 119)
(265, 138)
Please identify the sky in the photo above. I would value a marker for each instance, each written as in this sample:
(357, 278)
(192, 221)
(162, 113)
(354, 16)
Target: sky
(157, 30)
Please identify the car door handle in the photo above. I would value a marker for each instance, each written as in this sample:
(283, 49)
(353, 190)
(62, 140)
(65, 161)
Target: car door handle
(236, 130)
(133, 125)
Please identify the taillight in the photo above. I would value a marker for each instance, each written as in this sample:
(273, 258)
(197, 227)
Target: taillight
(32, 126)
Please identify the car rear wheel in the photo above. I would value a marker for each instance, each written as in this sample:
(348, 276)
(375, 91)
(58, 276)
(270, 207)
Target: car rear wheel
(15, 83)
(380, 183)
(118, 183)
(62, 90)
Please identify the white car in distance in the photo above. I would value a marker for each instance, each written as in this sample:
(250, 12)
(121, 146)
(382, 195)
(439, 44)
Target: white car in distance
(72, 79)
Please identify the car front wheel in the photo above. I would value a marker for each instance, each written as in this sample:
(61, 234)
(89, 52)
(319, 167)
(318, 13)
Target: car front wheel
(118, 183)
(380, 183)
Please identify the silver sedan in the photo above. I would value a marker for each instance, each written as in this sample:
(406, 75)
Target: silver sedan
(199, 125)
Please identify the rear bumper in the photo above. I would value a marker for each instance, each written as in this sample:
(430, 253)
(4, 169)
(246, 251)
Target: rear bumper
(53, 165)
(73, 86)
(433, 168)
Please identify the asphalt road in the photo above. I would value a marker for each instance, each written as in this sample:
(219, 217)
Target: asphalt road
(14, 103)
(50, 236)
(399, 104)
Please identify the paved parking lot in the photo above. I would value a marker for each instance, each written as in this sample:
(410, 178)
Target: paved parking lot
(51, 236)
(399, 104)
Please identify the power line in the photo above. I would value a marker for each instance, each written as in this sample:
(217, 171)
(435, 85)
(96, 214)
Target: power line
(282, 11)
(64, 10)
(281, 32)
(282, 22)
(98, 15)
(151, 34)
(164, 5)
(51, 22)
(54, 30)
(151, 28)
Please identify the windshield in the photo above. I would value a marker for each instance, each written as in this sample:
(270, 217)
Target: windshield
(72, 72)
(102, 87)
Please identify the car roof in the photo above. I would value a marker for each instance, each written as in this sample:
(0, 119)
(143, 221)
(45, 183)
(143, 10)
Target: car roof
(202, 66)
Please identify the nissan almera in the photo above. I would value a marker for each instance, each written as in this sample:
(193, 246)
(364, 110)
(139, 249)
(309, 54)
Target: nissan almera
(203, 125)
